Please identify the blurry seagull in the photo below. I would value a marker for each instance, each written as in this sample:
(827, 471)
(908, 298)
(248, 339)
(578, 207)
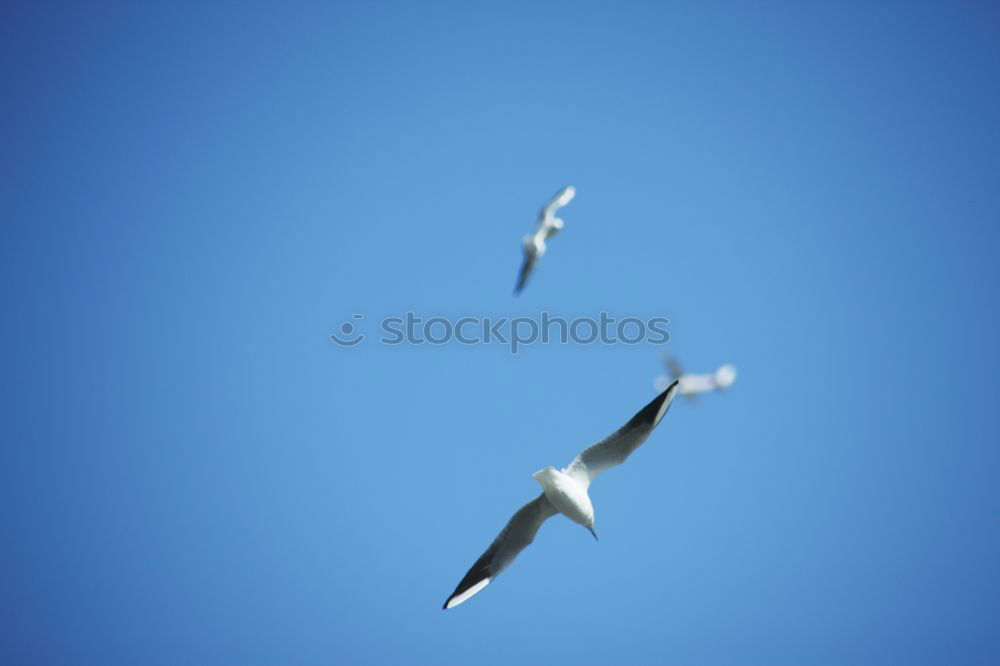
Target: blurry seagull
(692, 385)
(564, 491)
(548, 225)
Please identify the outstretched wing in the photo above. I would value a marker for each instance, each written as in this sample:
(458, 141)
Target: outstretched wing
(615, 448)
(528, 265)
(662, 383)
(558, 201)
(514, 538)
(673, 366)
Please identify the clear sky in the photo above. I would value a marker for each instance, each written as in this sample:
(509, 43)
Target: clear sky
(194, 196)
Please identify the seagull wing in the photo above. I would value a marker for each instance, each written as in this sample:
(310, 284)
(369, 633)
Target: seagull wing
(514, 538)
(662, 383)
(615, 448)
(673, 366)
(528, 265)
(558, 201)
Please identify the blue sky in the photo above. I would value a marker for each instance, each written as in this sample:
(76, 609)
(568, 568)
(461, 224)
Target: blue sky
(194, 198)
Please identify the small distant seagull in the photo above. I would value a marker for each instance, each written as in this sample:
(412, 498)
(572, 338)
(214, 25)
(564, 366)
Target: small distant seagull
(564, 491)
(548, 226)
(692, 385)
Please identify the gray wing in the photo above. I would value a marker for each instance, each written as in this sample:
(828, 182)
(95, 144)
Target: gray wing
(615, 448)
(515, 537)
(558, 201)
(528, 265)
(673, 366)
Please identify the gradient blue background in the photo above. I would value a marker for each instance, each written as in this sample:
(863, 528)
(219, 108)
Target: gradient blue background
(194, 198)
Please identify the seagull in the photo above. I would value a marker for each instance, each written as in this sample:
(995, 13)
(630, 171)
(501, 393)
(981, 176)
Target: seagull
(691, 385)
(563, 491)
(549, 225)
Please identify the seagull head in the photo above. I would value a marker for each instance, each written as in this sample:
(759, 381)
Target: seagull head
(545, 475)
(725, 376)
(567, 195)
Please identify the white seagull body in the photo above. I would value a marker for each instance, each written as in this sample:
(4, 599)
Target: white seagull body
(563, 491)
(690, 385)
(549, 225)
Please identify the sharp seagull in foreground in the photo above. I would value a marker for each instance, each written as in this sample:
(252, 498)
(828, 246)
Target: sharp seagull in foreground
(564, 491)
(548, 226)
(691, 385)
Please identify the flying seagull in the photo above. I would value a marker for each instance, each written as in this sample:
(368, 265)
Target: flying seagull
(691, 385)
(565, 492)
(548, 226)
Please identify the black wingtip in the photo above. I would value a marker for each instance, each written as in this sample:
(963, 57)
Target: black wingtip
(522, 282)
(651, 414)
